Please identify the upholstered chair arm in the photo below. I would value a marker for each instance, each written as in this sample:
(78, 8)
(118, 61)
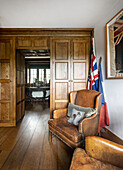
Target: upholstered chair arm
(89, 126)
(59, 113)
(104, 150)
(98, 103)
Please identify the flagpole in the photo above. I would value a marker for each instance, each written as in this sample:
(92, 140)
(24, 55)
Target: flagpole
(100, 60)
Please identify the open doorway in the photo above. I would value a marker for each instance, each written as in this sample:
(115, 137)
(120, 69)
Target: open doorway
(33, 78)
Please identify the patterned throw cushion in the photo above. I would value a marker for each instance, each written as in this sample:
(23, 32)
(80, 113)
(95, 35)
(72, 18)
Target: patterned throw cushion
(76, 116)
(77, 113)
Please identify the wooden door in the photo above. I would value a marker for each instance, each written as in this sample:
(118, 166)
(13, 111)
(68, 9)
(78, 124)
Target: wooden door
(7, 82)
(80, 53)
(60, 66)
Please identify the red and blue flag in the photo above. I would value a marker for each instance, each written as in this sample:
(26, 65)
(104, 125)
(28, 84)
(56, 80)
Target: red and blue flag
(95, 82)
(92, 83)
(104, 118)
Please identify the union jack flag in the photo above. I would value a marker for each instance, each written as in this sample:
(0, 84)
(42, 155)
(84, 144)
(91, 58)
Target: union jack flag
(92, 83)
(118, 30)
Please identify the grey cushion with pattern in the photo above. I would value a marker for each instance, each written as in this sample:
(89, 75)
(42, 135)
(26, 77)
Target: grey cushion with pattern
(88, 111)
(76, 116)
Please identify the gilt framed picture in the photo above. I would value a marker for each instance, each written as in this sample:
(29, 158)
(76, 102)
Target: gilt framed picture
(114, 46)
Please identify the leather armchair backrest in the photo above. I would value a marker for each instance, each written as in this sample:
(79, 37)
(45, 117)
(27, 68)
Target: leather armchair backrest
(86, 98)
(104, 150)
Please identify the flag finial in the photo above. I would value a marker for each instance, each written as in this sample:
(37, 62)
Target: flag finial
(100, 60)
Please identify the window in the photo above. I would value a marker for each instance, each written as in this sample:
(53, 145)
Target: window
(41, 75)
(27, 75)
(33, 75)
(48, 75)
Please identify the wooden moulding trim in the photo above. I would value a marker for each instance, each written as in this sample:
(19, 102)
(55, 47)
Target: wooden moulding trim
(46, 31)
(5, 81)
(4, 60)
(4, 101)
(7, 124)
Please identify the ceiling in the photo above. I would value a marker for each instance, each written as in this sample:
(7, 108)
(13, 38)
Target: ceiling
(36, 56)
(35, 53)
(56, 13)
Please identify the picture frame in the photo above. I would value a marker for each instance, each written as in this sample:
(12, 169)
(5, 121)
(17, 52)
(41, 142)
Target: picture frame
(114, 46)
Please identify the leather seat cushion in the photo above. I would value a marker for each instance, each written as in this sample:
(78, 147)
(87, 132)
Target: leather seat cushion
(65, 128)
(82, 161)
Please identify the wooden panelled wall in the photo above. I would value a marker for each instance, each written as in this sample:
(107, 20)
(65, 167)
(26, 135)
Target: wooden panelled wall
(20, 86)
(69, 60)
(7, 82)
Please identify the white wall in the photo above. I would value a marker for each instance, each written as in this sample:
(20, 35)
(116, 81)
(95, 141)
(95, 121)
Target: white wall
(72, 14)
(113, 87)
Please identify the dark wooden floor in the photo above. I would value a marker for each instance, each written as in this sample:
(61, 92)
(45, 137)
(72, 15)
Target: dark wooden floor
(26, 146)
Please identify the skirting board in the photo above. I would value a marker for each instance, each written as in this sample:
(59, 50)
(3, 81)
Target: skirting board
(107, 134)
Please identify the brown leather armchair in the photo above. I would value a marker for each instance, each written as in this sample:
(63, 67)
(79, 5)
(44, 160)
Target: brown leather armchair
(99, 154)
(73, 135)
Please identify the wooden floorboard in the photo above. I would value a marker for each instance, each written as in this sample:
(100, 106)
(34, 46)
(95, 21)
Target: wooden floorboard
(7, 146)
(4, 134)
(27, 147)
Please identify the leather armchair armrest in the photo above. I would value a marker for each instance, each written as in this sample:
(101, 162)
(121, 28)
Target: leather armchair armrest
(104, 150)
(89, 126)
(59, 113)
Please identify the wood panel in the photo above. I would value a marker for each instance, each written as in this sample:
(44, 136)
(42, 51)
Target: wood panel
(18, 114)
(79, 86)
(61, 71)
(41, 43)
(60, 54)
(62, 49)
(18, 61)
(4, 91)
(32, 43)
(22, 77)
(80, 52)
(24, 43)
(4, 112)
(61, 91)
(7, 82)
(59, 105)
(4, 50)
(79, 72)
(5, 71)
(22, 108)
(18, 77)
(18, 94)
(20, 99)
(22, 92)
